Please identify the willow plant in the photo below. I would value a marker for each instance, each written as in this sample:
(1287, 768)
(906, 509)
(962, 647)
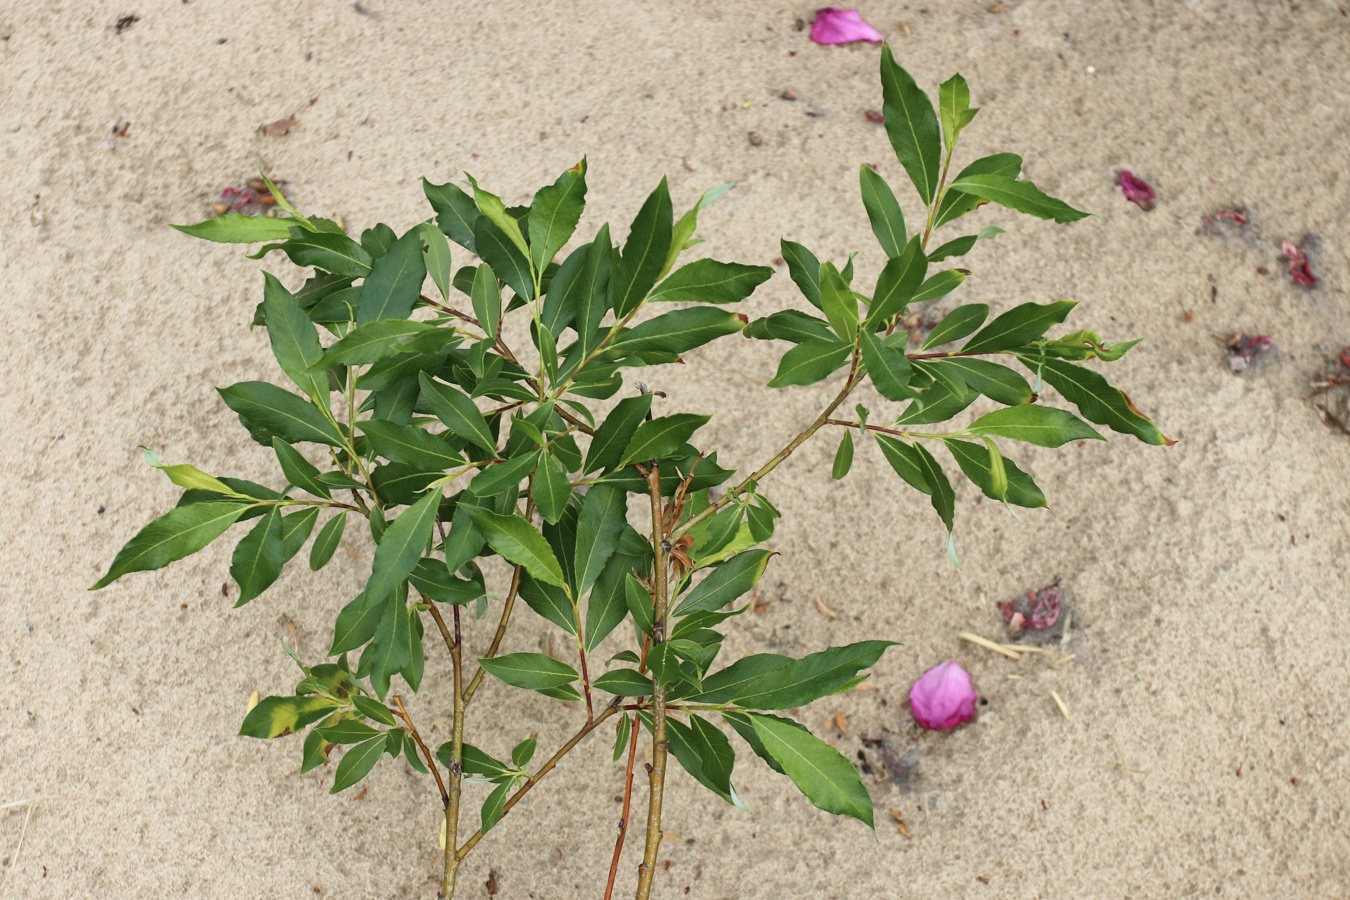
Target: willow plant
(416, 417)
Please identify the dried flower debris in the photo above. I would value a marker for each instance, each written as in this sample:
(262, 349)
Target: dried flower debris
(1136, 190)
(1297, 257)
(1244, 349)
(253, 199)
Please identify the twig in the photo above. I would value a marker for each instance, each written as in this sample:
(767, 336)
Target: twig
(623, 816)
(431, 760)
(660, 744)
(456, 771)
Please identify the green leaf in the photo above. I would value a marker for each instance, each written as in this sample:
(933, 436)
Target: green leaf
(549, 602)
(180, 532)
(401, 548)
(660, 437)
(357, 762)
(615, 433)
(710, 281)
(940, 493)
(330, 535)
(522, 753)
(804, 268)
(624, 683)
(494, 807)
(911, 125)
(554, 214)
(1022, 196)
(820, 772)
(410, 445)
(591, 292)
(939, 285)
(957, 324)
(789, 325)
(883, 210)
(843, 457)
(1096, 399)
(955, 204)
(436, 257)
(505, 476)
(677, 331)
(396, 647)
(838, 303)
(889, 368)
(455, 212)
(998, 383)
(962, 245)
(491, 206)
(395, 281)
(1040, 425)
(809, 362)
(430, 577)
(516, 541)
(460, 414)
(551, 490)
(639, 602)
(603, 515)
(683, 232)
(644, 254)
(897, 284)
(372, 342)
(279, 716)
(532, 671)
(327, 251)
(191, 478)
(937, 403)
(295, 530)
(377, 239)
(799, 681)
(295, 343)
(373, 709)
(259, 557)
(621, 735)
(267, 412)
(725, 583)
(976, 462)
(487, 300)
(608, 603)
(237, 228)
(474, 761)
(1018, 326)
(348, 731)
(956, 112)
(905, 461)
(298, 470)
(358, 621)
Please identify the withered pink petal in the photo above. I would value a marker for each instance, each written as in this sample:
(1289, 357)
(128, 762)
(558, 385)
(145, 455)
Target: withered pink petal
(1136, 190)
(1292, 252)
(842, 26)
(943, 697)
(1300, 272)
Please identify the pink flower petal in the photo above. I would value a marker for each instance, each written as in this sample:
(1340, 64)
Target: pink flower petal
(1136, 190)
(1300, 272)
(842, 26)
(943, 697)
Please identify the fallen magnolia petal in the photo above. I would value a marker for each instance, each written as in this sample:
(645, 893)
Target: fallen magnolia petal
(943, 697)
(842, 26)
(1136, 190)
(1300, 272)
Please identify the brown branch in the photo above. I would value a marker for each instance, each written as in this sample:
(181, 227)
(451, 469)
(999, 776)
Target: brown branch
(451, 868)
(656, 780)
(431, 760)
(627, 804)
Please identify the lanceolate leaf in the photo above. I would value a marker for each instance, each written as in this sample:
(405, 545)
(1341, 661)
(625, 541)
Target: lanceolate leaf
(939, 285)
(955, 204)
(372, 342)
(492, 208)
(532, 671)
(624, 683)
(942, 496)
(725, 583)
(268, 411)
(883, 210)
(955, 110)
(911, 125)
(616, 431)
(800, 681)
(998, 383)
(809, 362)
(357, 762)
(325, 250)
(682, 233)
(838, 303)
(1018, 326)
(710, 281)
(237, 228)
(357, 621)
(889, 368)
(330, 536)
(601, 522)
(554, 214)
(298, 470)
(974, 460)
(1022, 196)
(843, 457)
(401, 548)
(551, 488)
(590, 293)
(295, 530)
(459, 413)
(897, 284)
(180, 532)
(905, 461)
(550, 602)
(295, 343)
(258, 558)
(644, 254)
(789, 325)
(821, 773)
(518, 542)
(436, 257)
(957, 324)
(411, 445)
(962, 245)
(455, 211)
(507, 261)
(661, 437)
(1096, 399)
(277, 716)
(804, 269)
(677, 332)
(395, 281)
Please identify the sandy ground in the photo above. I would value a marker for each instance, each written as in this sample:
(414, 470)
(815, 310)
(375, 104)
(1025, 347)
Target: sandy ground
(1209, 750)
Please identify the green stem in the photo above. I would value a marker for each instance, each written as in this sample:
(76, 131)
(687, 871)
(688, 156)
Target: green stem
(656, 779)
(904, 434)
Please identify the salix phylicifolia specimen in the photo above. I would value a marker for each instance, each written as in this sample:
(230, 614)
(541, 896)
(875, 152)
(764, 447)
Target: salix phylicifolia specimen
(422, 421)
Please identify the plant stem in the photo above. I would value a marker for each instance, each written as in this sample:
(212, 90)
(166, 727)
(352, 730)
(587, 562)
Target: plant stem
(451, 868)
(535, 778)
(627, 805)
(781, 455)
(431, 760)
(660, 744)
(892, 431)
